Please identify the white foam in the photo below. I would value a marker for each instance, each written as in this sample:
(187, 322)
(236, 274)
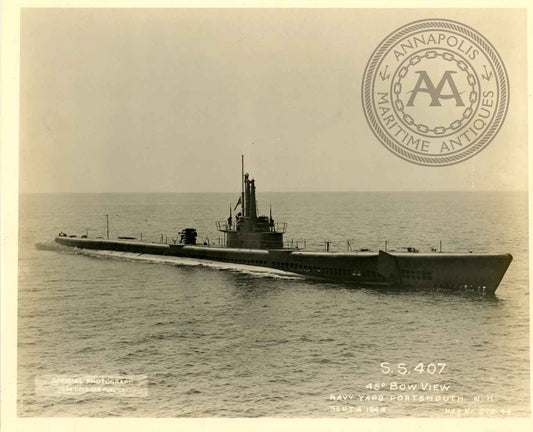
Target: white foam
(182, 261)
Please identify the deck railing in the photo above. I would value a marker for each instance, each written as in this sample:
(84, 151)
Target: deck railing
(280, 227)
(222, 226)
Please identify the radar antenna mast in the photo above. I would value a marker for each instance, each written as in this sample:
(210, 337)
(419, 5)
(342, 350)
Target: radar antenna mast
(242, 188)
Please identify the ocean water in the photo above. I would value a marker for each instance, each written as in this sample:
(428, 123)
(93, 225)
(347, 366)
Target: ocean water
(222, 340)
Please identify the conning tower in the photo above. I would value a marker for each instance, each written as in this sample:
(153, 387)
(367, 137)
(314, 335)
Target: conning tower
(249, 230)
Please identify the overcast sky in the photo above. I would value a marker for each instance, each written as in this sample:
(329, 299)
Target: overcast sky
(167, 101)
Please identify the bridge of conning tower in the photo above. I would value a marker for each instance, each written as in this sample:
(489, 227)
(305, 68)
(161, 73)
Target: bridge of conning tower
(249, 230)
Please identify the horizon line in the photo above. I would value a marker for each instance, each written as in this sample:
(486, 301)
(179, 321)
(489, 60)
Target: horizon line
(289, 191)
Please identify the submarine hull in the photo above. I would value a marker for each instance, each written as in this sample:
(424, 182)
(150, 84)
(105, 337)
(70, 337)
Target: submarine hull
(451, 271)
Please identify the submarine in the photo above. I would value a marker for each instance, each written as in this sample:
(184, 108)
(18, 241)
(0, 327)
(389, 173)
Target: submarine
(257, 240)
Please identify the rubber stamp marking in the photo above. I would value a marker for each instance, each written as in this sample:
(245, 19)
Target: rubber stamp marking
(435, 92)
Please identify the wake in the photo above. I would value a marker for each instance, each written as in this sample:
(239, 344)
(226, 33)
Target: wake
(170, 260)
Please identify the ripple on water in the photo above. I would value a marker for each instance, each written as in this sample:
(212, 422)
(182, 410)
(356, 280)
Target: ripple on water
(236, 342)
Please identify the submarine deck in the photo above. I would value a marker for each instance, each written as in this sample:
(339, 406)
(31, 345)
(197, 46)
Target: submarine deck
(457, 271)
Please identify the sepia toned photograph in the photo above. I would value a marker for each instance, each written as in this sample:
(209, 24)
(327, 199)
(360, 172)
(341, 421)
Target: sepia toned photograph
(256, 213)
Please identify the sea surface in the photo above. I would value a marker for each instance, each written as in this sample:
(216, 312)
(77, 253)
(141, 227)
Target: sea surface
(208, 339)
